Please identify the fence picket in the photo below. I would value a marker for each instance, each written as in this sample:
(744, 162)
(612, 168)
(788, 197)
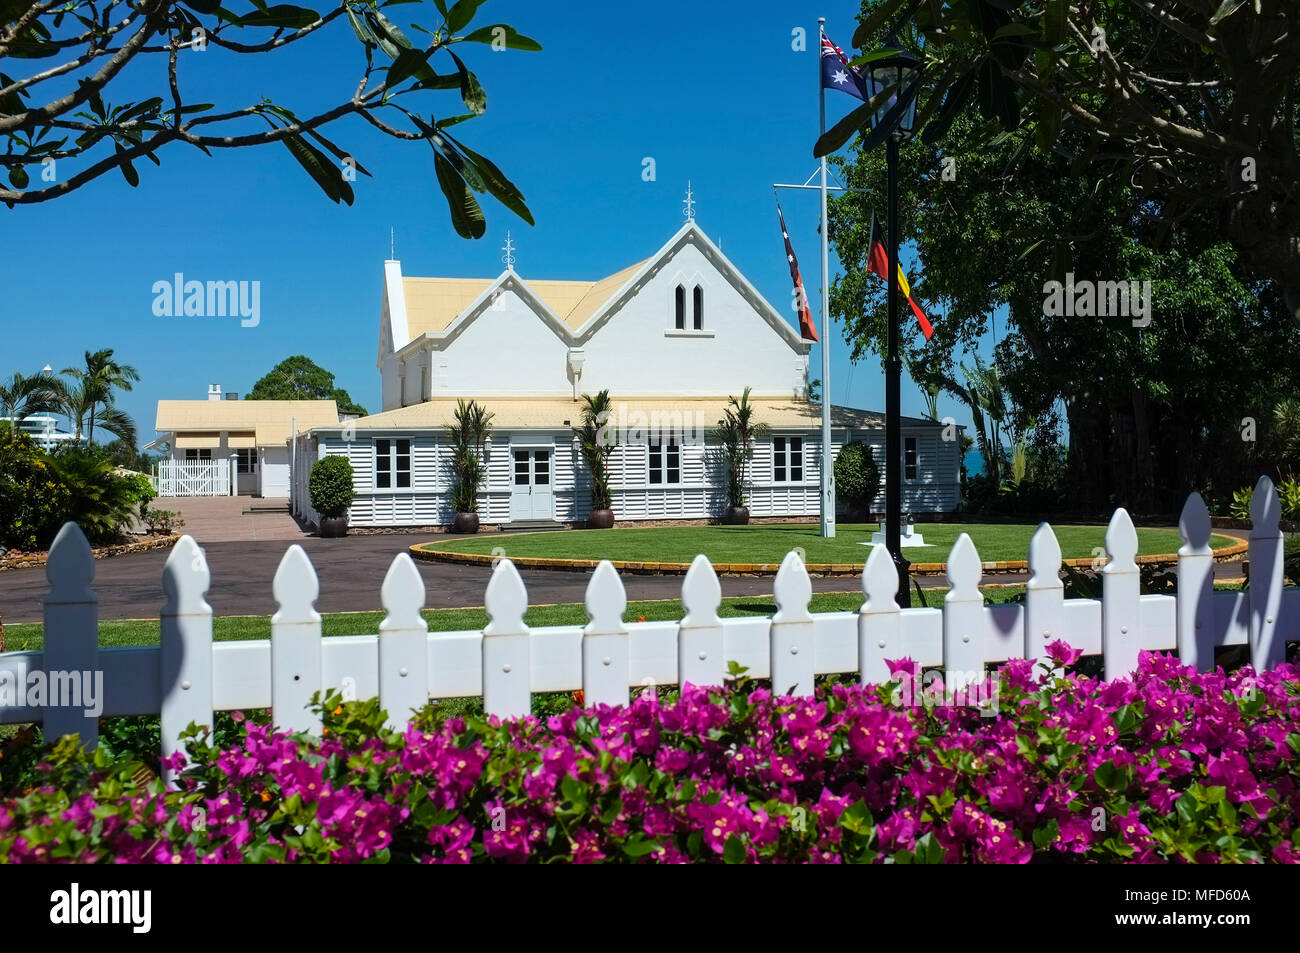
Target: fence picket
(1121, 593)
(403, 643)
(187, 677)
(185, 653)
(606, 656)
(1044, 595)
(71, 637)
(963, 618)
(295, 643)
(792, 629)
(700, 643)
(1195, 604)
(880, 618)
(507, 656)
(1267, 645)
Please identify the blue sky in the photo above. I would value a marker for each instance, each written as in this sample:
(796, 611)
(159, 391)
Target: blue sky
(713, 94)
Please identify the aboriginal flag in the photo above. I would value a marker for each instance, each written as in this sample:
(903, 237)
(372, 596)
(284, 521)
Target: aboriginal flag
(878, 263)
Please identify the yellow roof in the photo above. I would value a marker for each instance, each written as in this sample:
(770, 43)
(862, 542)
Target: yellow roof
(432, 304)
(270, 420)
(525, 413)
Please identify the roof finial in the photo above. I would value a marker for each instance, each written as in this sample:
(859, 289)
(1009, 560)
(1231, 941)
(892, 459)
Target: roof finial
(509, 257)
(689, 203)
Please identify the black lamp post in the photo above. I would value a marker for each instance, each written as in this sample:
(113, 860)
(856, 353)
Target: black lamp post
(898, 72)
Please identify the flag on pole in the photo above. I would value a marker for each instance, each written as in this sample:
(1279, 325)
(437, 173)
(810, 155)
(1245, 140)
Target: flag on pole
(838, 74)
(878, 263)
(806, 329)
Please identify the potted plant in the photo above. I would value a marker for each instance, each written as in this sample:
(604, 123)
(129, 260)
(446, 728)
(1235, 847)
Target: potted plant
(596, 443)
(471, 425)
(735, 435)
(330, 487)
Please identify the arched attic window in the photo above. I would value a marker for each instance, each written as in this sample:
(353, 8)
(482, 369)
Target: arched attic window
(681, 308)
(699, 308)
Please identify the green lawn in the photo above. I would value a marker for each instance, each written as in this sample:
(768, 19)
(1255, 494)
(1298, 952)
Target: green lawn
(29, 637)
(769, 543)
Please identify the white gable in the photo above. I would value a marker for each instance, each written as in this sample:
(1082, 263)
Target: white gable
(509, 341)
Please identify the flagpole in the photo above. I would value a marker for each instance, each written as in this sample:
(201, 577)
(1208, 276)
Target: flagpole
(827, 466)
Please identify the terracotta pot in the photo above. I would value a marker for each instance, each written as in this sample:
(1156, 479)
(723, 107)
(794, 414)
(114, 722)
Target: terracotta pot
(333, 527)
(736, 516)
(465, 523)
(600, 519)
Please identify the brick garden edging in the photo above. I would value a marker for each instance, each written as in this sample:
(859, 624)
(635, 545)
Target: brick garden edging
(100, 552)
(643, 567)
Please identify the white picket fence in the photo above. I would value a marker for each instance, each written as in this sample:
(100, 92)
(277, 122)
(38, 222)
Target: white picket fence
(188, 676)
(192, 477)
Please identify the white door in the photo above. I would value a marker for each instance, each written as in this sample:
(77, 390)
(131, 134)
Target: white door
(532, 495)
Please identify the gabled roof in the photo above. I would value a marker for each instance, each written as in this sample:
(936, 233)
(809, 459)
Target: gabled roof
(270, 420)
(432, 304)
(441, 307)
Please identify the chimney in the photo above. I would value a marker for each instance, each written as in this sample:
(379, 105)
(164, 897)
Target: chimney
(214, 392)
(232, 395)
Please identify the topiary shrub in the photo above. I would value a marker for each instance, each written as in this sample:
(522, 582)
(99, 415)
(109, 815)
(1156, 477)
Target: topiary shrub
(330, 486)
(856, 477)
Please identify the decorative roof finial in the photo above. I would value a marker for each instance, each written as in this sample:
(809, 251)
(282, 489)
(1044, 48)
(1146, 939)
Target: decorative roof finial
(509, 257)
(689, 203)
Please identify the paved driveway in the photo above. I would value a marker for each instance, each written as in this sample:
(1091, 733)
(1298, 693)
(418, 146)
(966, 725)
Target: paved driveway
(351, 571)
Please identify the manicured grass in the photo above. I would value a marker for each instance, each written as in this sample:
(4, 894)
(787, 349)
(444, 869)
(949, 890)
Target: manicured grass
(769, 543)
(29, 636)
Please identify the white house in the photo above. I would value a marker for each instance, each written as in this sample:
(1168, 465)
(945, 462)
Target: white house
(225, 446)
(671, 337)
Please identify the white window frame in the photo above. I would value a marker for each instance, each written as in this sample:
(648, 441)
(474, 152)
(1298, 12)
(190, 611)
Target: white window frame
(916, 459)
(665, 470)
(242, 453)
(393, 472)
(198, 455)
(787, 456)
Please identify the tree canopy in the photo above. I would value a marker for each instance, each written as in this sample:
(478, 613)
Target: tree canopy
(56, 112)
(301, 378)
(1192, 103)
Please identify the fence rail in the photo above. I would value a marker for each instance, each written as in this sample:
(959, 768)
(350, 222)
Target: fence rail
(193, 478)
(187, 676)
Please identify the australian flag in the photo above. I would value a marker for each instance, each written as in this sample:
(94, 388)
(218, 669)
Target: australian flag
(838, 74)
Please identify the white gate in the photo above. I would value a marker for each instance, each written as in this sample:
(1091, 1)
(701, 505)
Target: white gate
(193, 478)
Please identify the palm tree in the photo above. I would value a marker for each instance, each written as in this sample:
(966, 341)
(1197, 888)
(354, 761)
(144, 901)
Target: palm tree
(736, 435)
(24, 396)
(74, 402)
(466, 434)
(99, 377)
(595, 445)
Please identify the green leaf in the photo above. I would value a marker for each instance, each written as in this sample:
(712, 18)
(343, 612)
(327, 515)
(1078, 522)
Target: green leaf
(1226, 9)
(327, 176)
(958, 93)
(408, 64)
(471, 91)
(282, 14)
(501, 188)
(928, 850)
(204, 6)
(1055, 13)
(361, 30)
(733, 852)
(863, 34)
(18, 177)
(128, 171)
(512, 39)
(639, 847)
(1045, 834)
(338, 153)
(461, 13)
(843, 130)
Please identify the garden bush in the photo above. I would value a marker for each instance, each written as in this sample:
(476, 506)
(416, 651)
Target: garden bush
(33, 497)
(856, 477)
(330, 485)
(1168, 766)
(100, 500)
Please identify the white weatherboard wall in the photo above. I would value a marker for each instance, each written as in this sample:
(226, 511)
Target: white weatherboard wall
(188, 675)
